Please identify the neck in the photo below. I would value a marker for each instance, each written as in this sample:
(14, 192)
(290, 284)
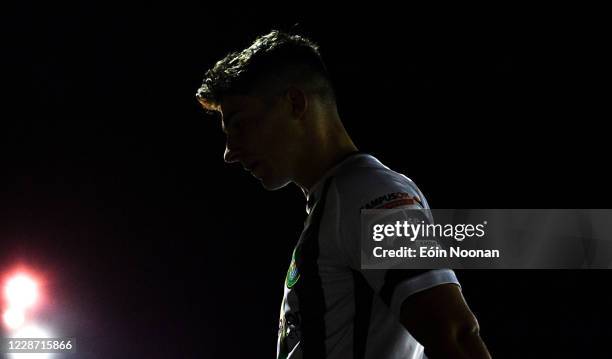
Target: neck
(321, 157)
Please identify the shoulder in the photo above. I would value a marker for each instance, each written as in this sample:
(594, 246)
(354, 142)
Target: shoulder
(366, 183)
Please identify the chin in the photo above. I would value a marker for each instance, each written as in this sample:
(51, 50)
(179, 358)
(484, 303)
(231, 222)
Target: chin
(273, 185)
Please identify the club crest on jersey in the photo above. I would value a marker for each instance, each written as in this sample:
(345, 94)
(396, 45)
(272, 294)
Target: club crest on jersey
(292, 273)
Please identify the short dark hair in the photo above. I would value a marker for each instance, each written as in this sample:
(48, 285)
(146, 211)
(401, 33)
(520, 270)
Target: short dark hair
(271, 60)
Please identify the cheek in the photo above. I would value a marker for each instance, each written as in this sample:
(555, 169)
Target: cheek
(276, 134)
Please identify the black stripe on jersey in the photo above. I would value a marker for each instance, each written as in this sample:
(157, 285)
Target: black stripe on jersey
(309, 288)
(363, 310)
(395, 276)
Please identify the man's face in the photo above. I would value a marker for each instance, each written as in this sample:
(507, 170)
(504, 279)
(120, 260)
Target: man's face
(260, 135)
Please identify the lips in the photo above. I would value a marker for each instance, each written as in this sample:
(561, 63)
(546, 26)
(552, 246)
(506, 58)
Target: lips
(250, 166)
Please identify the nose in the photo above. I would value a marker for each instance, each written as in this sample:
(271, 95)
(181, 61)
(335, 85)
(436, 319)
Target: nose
(230, 155)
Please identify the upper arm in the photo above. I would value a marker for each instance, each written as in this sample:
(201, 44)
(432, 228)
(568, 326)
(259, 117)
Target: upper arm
(440, 319)
(434, 311)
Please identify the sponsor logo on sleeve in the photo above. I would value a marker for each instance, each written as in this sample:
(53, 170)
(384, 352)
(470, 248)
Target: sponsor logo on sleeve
(393, 200)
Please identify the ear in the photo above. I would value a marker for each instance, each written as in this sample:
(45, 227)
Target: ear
(297, 100)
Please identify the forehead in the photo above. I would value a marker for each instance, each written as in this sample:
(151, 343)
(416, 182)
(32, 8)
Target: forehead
(239, 103)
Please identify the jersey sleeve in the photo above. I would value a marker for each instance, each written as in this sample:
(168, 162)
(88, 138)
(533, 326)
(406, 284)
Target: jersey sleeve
(374, 188)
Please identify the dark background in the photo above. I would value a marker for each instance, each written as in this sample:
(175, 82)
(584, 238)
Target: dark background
(113, 187)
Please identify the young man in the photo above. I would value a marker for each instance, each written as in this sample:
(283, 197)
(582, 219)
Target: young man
(279, 114)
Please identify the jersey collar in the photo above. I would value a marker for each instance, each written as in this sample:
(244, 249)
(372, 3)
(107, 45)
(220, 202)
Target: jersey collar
(312, 197)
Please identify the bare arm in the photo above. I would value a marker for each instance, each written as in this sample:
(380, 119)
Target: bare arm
(440, 319)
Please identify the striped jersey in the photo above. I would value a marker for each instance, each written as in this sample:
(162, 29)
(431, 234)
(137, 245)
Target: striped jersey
(331, 308)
